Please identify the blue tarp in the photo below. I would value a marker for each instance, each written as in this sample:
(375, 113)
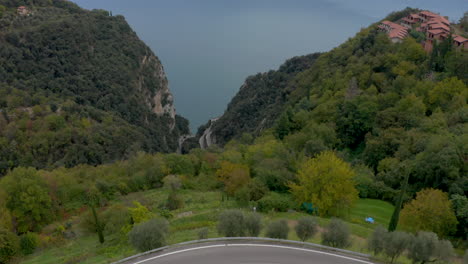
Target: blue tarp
(370, 220)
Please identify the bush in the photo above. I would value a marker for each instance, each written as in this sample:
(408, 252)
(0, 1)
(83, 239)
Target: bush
(395, 243)
(278, 229)
(336, 234)
(203, 233)
(28, 243)
(9, 245)
(306, 228)
(231, 223)
(149, 235)
(274, 201)
(253, 224)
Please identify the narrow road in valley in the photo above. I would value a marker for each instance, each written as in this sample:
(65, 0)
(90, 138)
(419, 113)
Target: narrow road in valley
(247, 254)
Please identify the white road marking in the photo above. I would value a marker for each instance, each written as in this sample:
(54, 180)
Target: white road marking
(253, 245)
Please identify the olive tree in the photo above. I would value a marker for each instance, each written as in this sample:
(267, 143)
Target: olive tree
(253, 224)
(426, 247)
(278, 229)
(231, 223)
(395, 244)
(376, 242)
(149, 235)
(306, 228)
(336, 234)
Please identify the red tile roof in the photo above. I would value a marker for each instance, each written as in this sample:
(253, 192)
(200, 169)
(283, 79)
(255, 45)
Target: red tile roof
(396, 31)
(22, 7)
(440, 26)
(437, 31)
(459, 39)
(428, 14)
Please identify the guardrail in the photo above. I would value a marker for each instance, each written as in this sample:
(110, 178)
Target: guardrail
(259, 239)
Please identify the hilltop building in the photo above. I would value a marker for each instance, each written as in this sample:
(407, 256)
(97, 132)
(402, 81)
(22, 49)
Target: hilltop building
(22, 11)
(435, 27)
(395, 32)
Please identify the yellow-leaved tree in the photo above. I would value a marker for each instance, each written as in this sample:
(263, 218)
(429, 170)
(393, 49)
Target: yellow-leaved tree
(431, 210)
(327, 182)
(233, 175)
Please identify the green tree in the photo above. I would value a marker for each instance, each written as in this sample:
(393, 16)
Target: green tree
(27, 199)
(327, 182)
(9, 245)
(278, 229)
(149, 235)
(431, 210)
(28, 243)
(306, 228)
(231, 223)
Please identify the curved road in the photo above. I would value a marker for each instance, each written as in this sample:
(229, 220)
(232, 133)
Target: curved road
(249, 254)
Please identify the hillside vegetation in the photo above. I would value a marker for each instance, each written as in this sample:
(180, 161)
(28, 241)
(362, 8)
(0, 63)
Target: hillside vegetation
(78, 86)
(368, 120)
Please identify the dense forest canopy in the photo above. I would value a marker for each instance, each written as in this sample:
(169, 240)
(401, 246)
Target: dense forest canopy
(73, 83)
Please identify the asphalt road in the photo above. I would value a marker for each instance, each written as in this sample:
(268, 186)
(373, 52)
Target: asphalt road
(248, 254)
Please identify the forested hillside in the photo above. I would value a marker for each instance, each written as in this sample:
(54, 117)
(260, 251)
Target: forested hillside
(78, 86)
(259, 101)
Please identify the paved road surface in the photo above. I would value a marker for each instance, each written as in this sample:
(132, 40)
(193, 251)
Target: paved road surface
(248, 254)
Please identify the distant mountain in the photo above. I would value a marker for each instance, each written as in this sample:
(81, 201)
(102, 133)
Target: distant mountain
(78, 86)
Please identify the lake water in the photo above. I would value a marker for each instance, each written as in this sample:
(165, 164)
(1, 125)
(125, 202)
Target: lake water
(209, 47)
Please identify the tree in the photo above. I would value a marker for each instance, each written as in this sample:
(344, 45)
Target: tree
(426, 247)
(253, 224)
(27, 199)
(231, 223)
(336, 234)
(431, 210)
(396, 213)
(9, 245)
(306, 228)
(149, 235)
(327, 182)
(395, 244)
(234, 176)
(376, 242)
(278, 229)
(28, 243)
(460, 206)
(93, 201)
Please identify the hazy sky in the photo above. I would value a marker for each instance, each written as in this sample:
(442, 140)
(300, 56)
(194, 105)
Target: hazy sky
(209, 47)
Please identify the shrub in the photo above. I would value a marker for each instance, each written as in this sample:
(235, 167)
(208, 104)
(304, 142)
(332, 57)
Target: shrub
(253, 224)
(273, 201)
(203, 233)
(336, 234)
(395, 243)
(376, 242)
(231, 223)
(174, 201)
(306, 228)
(278, 229)
(115, 218)
(149, 235)
(9, 245)
(28, 243)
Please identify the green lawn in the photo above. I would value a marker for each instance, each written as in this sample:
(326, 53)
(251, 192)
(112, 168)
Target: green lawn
(201, 210)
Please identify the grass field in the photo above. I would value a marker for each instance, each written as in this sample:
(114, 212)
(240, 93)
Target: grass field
(201, 210)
